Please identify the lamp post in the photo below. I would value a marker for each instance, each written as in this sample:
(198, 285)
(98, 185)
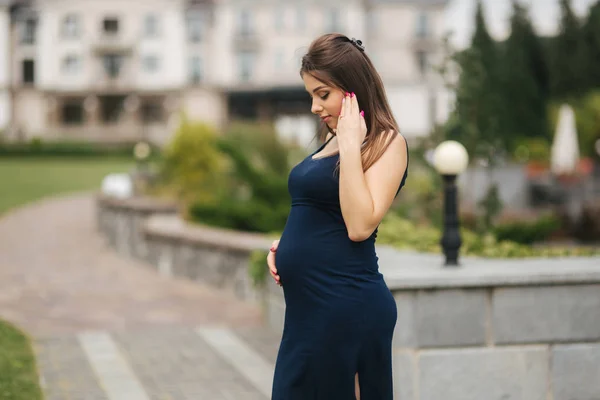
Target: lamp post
(450, 158)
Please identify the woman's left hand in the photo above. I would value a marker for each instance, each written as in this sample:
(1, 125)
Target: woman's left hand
(351, 127)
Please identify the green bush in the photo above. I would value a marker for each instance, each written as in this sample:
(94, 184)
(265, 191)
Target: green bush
(37, 147)
(402, 234)
(527, 232)
(252, 216)
(258, 270)
(533, 149)
(192, 164)
(254, 196)
(587, 228)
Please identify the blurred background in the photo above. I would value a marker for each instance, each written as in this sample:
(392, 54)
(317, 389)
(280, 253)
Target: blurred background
(515, 82)
(199, 103)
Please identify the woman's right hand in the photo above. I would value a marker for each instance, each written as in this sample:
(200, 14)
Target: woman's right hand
(271, 262)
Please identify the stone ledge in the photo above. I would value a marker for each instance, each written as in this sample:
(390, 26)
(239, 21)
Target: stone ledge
(141, 203)
(409, 271)
(172, 227)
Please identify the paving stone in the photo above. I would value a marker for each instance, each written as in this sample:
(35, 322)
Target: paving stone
(64, 370)
(74, 282)
(180, 364)
(264, 341)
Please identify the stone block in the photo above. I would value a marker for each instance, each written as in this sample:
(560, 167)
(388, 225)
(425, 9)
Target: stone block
(275, 313)
(576, 372)
(451, 318)
(519, 373)
(441, 318)
(546, 314)
(404, 374)
(165, 259)
(184, 257)
(405, 331)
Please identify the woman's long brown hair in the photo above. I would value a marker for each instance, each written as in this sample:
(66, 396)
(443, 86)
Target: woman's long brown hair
(336, 61)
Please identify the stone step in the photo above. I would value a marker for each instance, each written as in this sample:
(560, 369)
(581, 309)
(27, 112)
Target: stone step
(159, 364)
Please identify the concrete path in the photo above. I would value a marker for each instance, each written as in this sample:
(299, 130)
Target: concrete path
(111, 328)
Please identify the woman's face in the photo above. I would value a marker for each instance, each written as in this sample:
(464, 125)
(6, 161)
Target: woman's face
(326, 100)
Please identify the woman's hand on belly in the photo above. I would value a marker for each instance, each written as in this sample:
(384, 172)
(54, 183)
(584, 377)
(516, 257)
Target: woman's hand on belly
(271, 262)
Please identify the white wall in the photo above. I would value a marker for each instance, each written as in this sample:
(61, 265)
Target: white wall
(168, 46)
(297, 129)
(410, 105)
(5, 107)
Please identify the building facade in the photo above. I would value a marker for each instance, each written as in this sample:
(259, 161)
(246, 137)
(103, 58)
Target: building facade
(107, 70)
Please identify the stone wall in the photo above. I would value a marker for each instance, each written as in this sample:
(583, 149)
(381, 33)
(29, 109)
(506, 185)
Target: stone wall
(153, 231)
(488, 330)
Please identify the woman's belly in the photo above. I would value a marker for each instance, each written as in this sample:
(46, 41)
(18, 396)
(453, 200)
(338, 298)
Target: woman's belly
(314, 249)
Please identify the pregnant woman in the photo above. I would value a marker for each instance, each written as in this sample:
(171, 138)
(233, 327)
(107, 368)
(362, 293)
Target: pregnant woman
(340, 315)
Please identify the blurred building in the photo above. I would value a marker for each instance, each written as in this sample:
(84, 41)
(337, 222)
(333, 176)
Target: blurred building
(113, 70)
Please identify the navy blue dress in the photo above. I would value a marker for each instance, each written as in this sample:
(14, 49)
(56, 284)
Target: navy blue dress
(340, 314)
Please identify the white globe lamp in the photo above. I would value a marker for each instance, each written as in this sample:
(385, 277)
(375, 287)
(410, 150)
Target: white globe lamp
(450, 158)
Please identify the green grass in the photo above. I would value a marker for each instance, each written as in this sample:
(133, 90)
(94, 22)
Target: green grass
(23, 180)
(18, 372)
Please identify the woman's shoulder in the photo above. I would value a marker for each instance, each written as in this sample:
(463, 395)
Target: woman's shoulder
(394, 141)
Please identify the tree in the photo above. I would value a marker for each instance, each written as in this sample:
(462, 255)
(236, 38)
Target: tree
(479, 107)
(591, 34)
(568, 66)
(526, 81)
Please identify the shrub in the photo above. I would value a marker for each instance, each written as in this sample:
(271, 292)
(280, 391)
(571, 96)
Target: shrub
(258, 270)
(403, 234)
(587, 228)
(255, 196)
(192, 163)
(527, 232)
(252, 216)
(38, 147)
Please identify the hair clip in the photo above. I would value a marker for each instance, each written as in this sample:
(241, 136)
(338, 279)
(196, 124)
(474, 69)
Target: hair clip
(358, 43)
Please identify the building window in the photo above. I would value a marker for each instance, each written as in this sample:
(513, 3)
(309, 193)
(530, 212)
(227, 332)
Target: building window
(422, 30)
(422, 62)
(333, 20)
(151, 28)
(111, 26)
(71, 65)
(245, 65)
(195, 70)
(152, 111)
(72, 112)
(70, 27)
(244, 23)
(28, 71)
(112, 64)
(150, 63)
(28, 30)
(194, 28)
(111, 108)
(300, 19)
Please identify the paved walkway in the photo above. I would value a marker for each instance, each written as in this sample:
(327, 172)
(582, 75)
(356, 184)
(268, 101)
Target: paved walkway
(111, 328)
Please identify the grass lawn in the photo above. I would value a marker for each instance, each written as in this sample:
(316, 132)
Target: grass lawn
(23, 180)
(26, 179)
(18, 372)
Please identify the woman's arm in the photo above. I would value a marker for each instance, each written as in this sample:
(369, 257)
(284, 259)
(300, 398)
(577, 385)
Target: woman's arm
(365, 197)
